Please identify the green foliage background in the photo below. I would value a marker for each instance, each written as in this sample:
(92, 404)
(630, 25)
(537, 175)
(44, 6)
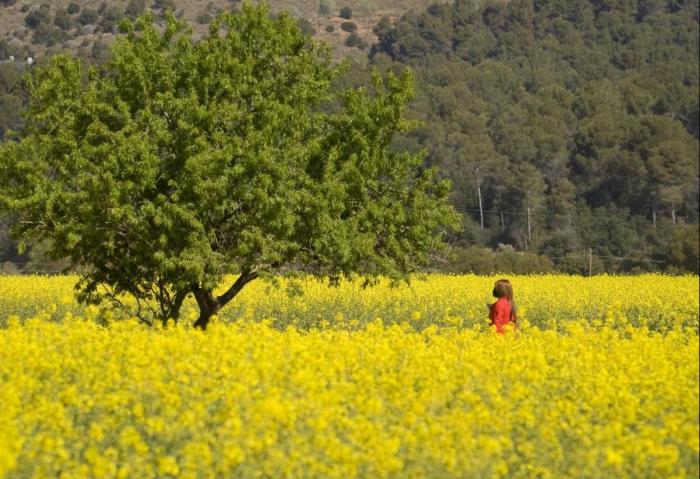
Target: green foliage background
(584, 112)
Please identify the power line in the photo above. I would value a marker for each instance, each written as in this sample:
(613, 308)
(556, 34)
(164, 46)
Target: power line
(630, 258)
(587, 216)
(566, 250)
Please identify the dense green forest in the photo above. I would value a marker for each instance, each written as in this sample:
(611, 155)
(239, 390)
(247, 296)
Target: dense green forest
(569, 129)
(582, 113)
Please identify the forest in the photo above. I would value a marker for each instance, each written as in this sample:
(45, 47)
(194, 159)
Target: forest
(566, 126)
(569, 130)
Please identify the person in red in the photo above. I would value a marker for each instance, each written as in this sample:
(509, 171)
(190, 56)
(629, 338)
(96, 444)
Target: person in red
(502, 312)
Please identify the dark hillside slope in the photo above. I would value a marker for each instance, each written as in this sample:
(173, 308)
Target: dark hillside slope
(582, 113)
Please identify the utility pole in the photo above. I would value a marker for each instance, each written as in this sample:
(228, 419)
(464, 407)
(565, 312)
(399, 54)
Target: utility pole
(673, 213)
(529, 225)
(590, 262)
(478, 189)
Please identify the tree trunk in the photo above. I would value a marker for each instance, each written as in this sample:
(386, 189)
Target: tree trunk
(673, 213)
(173, 311)
(210, 305)
(481, 205)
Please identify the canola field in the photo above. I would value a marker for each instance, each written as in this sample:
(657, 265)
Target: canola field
(600, 380)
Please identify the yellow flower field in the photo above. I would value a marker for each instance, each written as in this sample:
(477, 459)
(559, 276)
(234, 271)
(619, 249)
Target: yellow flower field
(601, 381)
(659, 302)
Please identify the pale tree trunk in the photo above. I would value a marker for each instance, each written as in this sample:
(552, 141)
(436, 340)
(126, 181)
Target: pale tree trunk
(673, 213)
(481, 204)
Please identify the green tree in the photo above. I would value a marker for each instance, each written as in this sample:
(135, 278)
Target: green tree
(47, 34)
(670, 154)
(180, 162)
(684, 249)
(165, 5)
(73, 8)
(348, 27)
(62, 19)
(88, 17)
(38, 16)
(324, 8)
(305, 26)
(99, 52)
(110, 18)
(355, 40)
(10, 113)
(134, 8)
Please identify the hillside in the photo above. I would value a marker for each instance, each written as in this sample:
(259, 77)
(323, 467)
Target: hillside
(32, 28)
(564, 125)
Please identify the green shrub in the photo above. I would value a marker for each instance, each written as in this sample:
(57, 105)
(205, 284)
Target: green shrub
(348, 27)
(88, 17)
(204, 18)
(324, 8)
(165, 5)
(482, 260)
(37, 17)
(354, 40)
(48, 35)
(134, 8)
(110, 18)
(306, 26)
(62, 19)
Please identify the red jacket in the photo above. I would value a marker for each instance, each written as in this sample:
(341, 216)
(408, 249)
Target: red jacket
(500, 314)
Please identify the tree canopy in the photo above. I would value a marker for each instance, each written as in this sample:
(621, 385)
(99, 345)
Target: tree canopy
(181, 161)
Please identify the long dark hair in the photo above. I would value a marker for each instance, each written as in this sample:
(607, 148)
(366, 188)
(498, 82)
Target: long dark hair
(504, 289)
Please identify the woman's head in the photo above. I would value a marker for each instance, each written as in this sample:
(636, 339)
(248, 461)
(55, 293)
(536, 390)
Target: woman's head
(503, 289)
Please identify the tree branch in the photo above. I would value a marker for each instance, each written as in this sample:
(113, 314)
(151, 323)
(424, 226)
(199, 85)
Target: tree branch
(246, 277)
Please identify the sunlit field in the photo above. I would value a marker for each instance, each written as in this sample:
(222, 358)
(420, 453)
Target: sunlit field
(600, 380)
(660, 303)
